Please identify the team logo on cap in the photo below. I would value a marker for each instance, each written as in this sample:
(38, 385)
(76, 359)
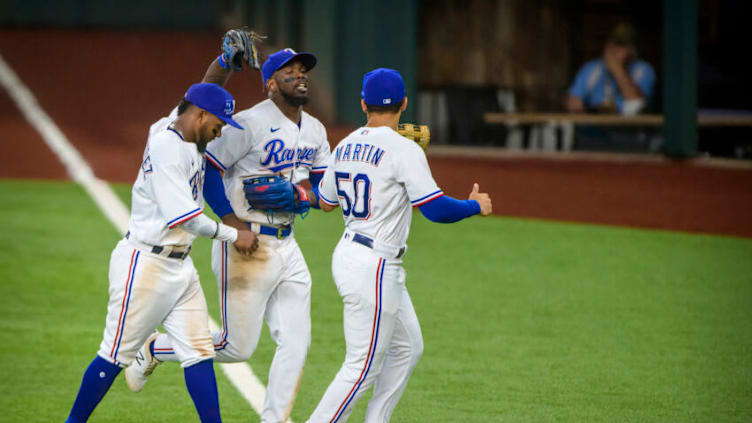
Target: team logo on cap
(229, 107)
(289, 50)
(387, 101)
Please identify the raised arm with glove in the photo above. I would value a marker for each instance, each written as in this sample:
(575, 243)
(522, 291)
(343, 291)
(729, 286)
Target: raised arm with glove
(239, 47)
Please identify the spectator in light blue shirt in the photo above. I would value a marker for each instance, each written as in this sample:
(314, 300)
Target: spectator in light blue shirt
(618, 82)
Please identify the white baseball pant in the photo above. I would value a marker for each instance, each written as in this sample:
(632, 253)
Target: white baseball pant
(274, 285)
(147, 290)
(382, 334)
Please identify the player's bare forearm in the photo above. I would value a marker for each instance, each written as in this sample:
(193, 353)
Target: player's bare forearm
(326, 207)
(321, 205)
(216, 74)
(230, 219)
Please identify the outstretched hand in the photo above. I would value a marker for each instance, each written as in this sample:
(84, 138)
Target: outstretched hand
(482, 198)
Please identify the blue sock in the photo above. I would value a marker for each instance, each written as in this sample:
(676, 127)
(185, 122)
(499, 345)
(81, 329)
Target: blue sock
(202, 385)
(96, 382)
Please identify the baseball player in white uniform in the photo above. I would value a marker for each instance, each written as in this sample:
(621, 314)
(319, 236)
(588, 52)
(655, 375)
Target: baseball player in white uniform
(377, 176)
(273, 284)
(152, 278)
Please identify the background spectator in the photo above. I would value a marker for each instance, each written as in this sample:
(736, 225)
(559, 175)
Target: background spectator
(618, 82)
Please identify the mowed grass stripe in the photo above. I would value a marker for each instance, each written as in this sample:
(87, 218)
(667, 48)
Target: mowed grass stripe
(522, 320)
(54, 259)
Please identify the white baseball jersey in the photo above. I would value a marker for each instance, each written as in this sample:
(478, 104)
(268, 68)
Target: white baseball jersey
(273, 284)
(271, 144)
(168, 189)
(376, 175)
(147, 289)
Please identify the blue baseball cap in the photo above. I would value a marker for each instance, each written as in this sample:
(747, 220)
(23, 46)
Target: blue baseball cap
(283, 57)
(214, 99)
(382, 87)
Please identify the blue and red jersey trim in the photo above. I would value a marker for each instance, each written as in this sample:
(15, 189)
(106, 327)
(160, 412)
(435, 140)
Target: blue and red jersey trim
(318, 169)
(215, 161)
(176, 132)
(330, 202)
(184, 218)
(426, 198)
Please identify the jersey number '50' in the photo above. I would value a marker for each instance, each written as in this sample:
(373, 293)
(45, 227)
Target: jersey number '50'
(354, 194)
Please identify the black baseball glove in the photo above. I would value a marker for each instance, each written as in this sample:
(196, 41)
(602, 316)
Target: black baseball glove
(239, 46)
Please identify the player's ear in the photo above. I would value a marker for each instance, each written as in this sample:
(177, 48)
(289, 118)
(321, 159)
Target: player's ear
(271, 86)
(404, 104)
(363, 106)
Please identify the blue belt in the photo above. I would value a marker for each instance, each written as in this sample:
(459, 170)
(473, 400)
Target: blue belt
(368, 242)
(280, 233)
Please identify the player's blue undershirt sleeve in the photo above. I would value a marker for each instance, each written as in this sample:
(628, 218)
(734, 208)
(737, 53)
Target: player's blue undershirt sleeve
(315, 178)
(446, 209)
(214, 192)
(315, 202)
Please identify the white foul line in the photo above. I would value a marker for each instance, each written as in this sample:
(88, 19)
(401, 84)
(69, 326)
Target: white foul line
(240, 374)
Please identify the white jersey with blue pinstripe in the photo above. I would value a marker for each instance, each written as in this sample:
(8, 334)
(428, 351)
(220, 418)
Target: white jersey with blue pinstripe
(168, 189)
(271, 144)
(377, 176)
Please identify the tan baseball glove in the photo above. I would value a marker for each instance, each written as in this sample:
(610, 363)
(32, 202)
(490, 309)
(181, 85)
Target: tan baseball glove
(418, 133)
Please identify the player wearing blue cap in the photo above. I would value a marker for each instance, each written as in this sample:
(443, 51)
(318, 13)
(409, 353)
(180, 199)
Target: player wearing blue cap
(251, 181)
(376, 176)
(152, 278)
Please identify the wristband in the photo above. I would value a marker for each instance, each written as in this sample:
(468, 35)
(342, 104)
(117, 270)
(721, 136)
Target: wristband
(222, 63)
(227, 233)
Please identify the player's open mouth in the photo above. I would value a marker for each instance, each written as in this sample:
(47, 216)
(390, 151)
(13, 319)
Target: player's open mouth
(302, 88)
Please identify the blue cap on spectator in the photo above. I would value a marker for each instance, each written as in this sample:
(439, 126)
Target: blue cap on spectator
(214, 99)
(382, 87)
(283, 57)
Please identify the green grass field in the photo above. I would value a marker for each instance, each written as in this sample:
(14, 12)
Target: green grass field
(523, 321)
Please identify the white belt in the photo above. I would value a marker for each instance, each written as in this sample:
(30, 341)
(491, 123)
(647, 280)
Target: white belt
(387, 250)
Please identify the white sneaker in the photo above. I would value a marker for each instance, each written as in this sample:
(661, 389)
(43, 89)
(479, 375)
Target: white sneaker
(140, 369)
